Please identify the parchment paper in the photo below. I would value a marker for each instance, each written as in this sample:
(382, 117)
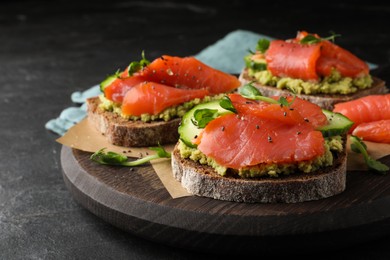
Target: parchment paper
(85, 137)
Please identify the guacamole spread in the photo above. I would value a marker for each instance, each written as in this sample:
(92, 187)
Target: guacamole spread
(332, 144)
(166, 115)
(332, 84)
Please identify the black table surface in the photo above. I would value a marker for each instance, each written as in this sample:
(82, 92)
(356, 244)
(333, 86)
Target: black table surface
(49, 49)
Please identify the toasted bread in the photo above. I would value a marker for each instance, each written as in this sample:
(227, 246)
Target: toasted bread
(122, 132)
(203, 180)
(325, 101)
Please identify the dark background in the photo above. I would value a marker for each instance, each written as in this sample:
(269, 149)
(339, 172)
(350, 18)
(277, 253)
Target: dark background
(49, 49)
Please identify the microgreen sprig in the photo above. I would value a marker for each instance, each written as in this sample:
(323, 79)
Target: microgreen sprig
(226, 103)
(203, 116)
(311, 39)
(138, 65)
(358, 146)
(109, 79)
(251, 92)
(262, 45)
(116, 159)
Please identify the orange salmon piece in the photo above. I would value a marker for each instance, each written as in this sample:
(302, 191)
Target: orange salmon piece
(152, 98)
(189, 72)
(311, 113)
(239, 141)
(333, 56)
(294, 60)
(375, 131)
(265, 110)
(299, 111)
(119, 87)
(365, 109)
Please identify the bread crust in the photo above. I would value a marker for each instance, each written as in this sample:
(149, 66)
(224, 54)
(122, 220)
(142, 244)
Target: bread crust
(202, 180)
(326, 101)
(127, 133)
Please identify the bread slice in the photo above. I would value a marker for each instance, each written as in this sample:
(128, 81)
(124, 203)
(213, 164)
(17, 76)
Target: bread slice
(202, 180)
(325, 101)
(127, 133)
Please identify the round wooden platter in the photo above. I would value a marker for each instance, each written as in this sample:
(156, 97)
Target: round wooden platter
(135, 200)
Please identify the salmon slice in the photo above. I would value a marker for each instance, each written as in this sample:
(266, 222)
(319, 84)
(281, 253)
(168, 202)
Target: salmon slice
(325, 65)
(375, 131)
(261, 132)
(189, 73)
(299, 111)
(239, 141)
(119, 87)
(291, 59)
(333, 56)
(175, 72)
(311, 113)
(265, 110)
(152, 98)
(311, 61)
(365, 109)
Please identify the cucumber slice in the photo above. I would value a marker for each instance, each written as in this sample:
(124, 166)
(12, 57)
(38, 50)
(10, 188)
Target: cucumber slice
(105, 83)
(338, 124)
(187, 130)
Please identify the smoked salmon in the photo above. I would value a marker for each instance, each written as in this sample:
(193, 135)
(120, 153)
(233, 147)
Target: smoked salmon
(276, 136)
(334, 56)
(365, 109)
(375, 131)
(152, 98)
(190, 73)
(138, 110)
(294, 60)
(179, 79)
(309, 61)
(119, 87)
(299, 111)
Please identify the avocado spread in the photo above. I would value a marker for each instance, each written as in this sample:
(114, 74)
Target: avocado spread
(166, 115)
(332, 144)
(332, 84)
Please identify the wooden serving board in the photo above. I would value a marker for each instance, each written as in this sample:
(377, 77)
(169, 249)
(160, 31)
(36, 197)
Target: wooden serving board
(135, 200)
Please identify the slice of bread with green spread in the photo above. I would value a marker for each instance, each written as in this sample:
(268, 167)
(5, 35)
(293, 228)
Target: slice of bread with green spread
(251, 148)
(203, 180)
(312, 67)
(143, 104)
(131, 133)
(326, 101)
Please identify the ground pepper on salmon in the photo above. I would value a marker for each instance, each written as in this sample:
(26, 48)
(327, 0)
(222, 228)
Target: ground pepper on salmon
(262, 136)
(164, 88)
(241, 145)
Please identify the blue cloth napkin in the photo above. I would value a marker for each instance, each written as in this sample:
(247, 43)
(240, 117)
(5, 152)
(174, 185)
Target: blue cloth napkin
(226, 55)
